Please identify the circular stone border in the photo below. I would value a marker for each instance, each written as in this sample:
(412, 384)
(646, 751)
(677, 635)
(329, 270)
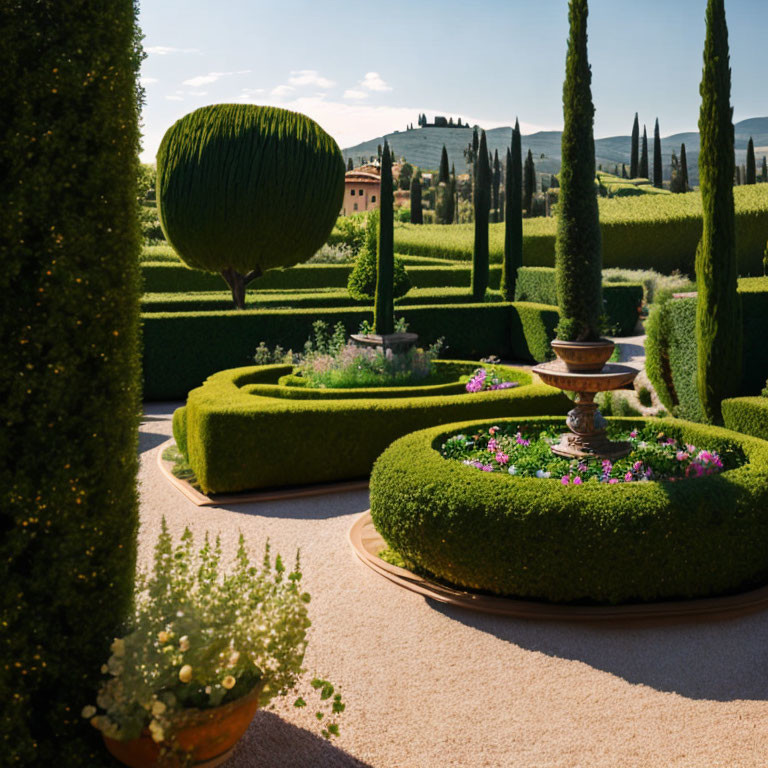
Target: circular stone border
(367, 543)
(201, 499)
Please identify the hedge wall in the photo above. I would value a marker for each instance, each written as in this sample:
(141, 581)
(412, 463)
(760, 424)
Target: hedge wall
(658, 232)
(748, 415)
(671, 348)
(181, 349)
(236, 440)
(622, 300)
(69, 390)
(596, 543)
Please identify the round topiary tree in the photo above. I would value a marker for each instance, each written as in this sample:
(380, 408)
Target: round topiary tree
(242, 189)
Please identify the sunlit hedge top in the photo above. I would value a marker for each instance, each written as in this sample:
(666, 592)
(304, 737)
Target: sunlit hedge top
(246, 187)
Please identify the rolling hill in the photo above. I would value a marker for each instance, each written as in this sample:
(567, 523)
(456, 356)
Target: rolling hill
(422, 146)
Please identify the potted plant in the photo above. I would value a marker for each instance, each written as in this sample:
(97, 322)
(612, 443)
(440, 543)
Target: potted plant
(201, 652)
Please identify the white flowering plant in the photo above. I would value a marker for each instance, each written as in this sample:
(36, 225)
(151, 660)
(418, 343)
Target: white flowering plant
(200, 638)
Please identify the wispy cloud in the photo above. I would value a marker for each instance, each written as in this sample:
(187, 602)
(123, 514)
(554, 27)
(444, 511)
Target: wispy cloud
(302, 77)
(171, 97)
(148, 80)
(353, 93)
(164, 50)
(282, 90)
(211, 77)
(374, 82)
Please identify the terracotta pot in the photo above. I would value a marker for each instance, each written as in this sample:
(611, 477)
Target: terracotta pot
(208, 735)
(584, 356)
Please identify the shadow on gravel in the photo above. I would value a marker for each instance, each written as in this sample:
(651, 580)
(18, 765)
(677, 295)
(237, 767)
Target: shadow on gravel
(718, 661)
(321, 507)
(150, 440)
(270, 742)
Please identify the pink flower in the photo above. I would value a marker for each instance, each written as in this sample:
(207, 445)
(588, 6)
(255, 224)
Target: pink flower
(633, 433)
(492, 431)
(487, 468)
(628, 477)
(502, 458)
(577, 480)
(492, 445)
(565, 480)
(682, 456)
(613, 481)
(637, 466)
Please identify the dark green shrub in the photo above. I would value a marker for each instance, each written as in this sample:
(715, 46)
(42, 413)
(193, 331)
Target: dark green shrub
(482, 207)
(69, 393)
(599, 543)
(513, 219)
(383, 303)
(237, 440)
(221, 216)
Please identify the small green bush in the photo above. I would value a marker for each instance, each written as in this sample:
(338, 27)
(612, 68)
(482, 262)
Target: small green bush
(238, 440)
(596, 543)
(748, 415)
(362, 279)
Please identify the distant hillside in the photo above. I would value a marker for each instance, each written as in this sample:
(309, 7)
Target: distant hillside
(422, 147)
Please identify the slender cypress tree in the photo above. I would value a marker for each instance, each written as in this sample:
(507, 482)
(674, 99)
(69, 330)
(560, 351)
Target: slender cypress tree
(417, 215)
(658, 180)
(684, 169)
(764, 173)
(513, 228)
(444, 173)
(383, 309)
(529, 182)
(634, 166)
(496, 185)
(737, 176)
(482, 200)
(350, 166)
(751, 165)
(623, 171)
(718, 308)
(578, 246)
(450, 212)
(643, 170)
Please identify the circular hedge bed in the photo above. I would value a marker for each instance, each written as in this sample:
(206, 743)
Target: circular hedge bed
(592, 543)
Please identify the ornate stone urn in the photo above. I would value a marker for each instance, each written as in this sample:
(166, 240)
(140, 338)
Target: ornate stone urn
(581, 368)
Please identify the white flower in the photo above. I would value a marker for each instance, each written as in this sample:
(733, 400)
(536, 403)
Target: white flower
(542, 475)
(158, 734)
(512, 470)
(184, 643)
(158, 708)
(234, 658)
(185, 673)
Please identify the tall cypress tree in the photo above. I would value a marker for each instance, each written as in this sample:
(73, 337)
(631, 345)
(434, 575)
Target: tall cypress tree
(684, 169)
(350, 166)
(578, 246)
(513, 228)
(737, 176)
(751, 165)
(718, 308)
(444, 173)
(623, 171)
(383, 308)
(634, 161)
(482, 199)
(529, 182)
(450, 214)
(658, 180)
(643, 170)
(417, 215)
(496, 185)
(764, 173)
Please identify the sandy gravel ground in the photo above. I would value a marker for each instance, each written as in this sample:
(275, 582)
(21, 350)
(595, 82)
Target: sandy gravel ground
(432, 687)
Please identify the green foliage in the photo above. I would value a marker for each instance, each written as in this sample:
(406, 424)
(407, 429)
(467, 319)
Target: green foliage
(513, 217)
(220, 216)
(748, 415)
(383, 307)
(615, 404)
(578, 248)
(658, 175)
(351, 231)
(718, 311)
(529, 184)
(238, 440)
(751, 166)
(417, 215)
(69, 393)
(535, 538)
(643, 168)
(634, 162)
(181, 349)
(482, 203)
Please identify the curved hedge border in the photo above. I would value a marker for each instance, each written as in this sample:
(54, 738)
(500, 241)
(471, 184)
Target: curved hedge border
(238, 441)
(607, 544)
(748, 415)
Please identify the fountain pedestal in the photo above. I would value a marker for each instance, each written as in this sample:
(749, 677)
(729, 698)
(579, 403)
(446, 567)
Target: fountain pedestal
(587, 438)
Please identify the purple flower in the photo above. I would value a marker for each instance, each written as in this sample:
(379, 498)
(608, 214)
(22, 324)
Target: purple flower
(633, 433)
(628, 477)
(487, 468)
(577, 480)
(637, 466)
(564, 480)
(613, 481)
(492, 445)
(502, 458)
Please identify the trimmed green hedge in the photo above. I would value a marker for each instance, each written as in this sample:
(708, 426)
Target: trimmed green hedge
(237, 441)
(670, 348)
(622, 300)
(748, 415)
(181, 349)
(69, 379)
(598, 543)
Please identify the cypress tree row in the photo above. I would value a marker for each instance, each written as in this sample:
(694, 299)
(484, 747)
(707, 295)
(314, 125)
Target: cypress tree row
(684, 169)
(496, 185)
(718, 308)
(658, 180)
(643, 171)
(417, 215)
(634, 163)
(482, 200)
(383, 308)
(513, 228)
(751, 175)
(578, 246)
(529, 182)
(69, 383)
(444, 173)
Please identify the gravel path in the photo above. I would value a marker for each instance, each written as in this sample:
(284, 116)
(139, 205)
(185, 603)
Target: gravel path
(434, 687)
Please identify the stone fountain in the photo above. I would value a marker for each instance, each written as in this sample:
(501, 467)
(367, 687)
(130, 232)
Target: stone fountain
(581, 367)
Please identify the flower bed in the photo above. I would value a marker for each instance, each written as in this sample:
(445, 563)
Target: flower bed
(594, 542)
(244, 430)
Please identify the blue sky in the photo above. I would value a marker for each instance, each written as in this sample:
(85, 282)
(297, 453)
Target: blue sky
(368, 69)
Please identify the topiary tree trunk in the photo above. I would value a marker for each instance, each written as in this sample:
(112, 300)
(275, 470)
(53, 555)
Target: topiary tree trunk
(482, 201)
(69, 382)
(718, 308)
(578, 246)
(383, 309)
(513, 228)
